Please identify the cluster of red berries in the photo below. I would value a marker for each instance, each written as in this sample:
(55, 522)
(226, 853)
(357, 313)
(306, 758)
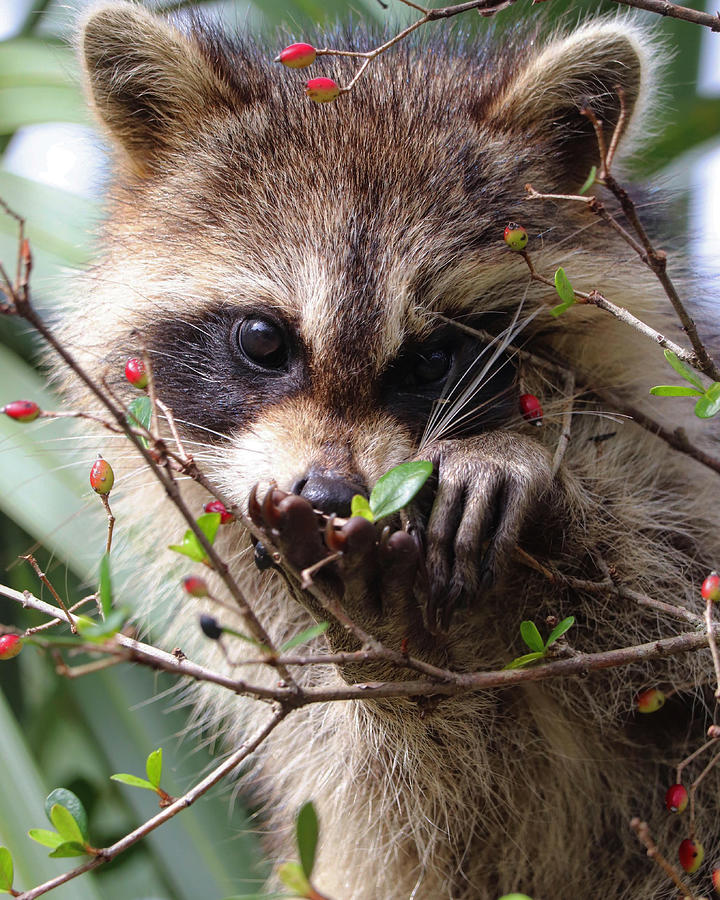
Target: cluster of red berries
(298, 56)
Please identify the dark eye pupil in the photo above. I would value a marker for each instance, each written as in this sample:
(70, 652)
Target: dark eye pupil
(432, 365)
(263, 343)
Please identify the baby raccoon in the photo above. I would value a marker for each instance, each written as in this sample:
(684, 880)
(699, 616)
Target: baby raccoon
(324, 292)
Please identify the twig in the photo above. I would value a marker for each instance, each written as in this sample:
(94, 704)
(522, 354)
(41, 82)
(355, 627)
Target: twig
(53, 622)
(202, 787)
(643, 833)
(713, 646)
(564, 439)
(111, 522)
(678, 775)
(693, 788)
(46, 581)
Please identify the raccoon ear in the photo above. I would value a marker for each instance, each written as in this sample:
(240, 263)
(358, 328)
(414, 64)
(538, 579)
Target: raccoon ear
(584, 69)
(147, 82)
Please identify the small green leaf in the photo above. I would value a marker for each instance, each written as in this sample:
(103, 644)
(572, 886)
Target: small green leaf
(72, 804)
(140, 413)
(6, 870)
(98, 632)
(360, 507)
(559, 630)
(306, 835)
(531, 636)
(674, 390)
(153, 767)
(683, 369)
(396, 488)
(709, 405)
(105, 590)
(69, 848)
(564, 288)
(133, 781)
(521, 661)
(292, 876)
(208, 524)
(307, 635)
(45, 837)
(66, 825)
(589, 181)
(245, 637)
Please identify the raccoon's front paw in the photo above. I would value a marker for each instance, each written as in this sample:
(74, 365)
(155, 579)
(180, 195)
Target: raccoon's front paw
(488, 491)
(373, 575)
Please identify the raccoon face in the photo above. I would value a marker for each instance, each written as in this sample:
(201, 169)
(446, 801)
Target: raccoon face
(289, 264)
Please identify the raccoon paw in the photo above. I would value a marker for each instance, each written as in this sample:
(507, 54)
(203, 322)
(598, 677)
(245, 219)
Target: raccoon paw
(488, 490)
(372, 574)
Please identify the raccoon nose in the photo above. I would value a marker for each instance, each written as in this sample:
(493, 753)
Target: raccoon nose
(328, 491)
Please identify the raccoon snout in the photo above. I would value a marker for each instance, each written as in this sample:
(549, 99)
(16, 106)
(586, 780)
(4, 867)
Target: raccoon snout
(328, 491)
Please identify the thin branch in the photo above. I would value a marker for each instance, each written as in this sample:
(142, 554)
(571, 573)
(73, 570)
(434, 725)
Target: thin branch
(46, 581)
(713, 645)
(643, 834)
(202, 787)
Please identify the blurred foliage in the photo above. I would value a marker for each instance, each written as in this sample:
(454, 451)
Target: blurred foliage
(75, 733)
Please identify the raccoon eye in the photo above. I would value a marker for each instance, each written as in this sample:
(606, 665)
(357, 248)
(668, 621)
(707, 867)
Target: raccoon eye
(263, 343)
(432, 365)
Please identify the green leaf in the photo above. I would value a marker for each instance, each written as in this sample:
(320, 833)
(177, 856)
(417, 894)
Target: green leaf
(360, 507)
(683, 369)
(208, 524)
(72, 804)
(559, 630)
(674, 390)
(133, 781)
(105, 585)
(69, 848)
(45, 837)
(531, 636)
(292, 876)
(707, 407)
(521, 661)
(6, 870)
(589, 181)
(140, 413)
(98, 632)
(306, 835)
(153, 767)
(564, 288)
(65, 824)
(306, 635)
(396, 488)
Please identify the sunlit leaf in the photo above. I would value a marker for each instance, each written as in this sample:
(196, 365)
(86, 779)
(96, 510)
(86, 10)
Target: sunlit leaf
(589, 181)
(63, 797)
(292, 876)
(359, 506)
(133, 781)
(153, 767)
(65, 824)
(559, 630)
(191, 547)
(45, 837)
(563, 287)
(521, 661)
(396, 488)
(307, 635)
(709, 405)
(98, 632)
(675, 390)
(683, 369)
(6, 869)
(69, 848)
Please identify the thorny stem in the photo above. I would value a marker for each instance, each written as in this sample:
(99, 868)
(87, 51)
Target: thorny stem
(202, 787)
(643, 833)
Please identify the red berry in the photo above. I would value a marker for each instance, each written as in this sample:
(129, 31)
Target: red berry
(322, 90)
(716, 880)
(650, 701)
(515, 236)
(297, 56)
(217, 506)
(22, 410)
(691, 855)
(195, 586)
(10, 645)
(531, 409)
(135, 373)
(676, 798)
(710, 589)
(102, 476)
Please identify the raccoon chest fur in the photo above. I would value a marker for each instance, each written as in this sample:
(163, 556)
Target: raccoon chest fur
(324, 293)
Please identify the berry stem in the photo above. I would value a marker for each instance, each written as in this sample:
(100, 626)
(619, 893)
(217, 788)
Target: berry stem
(713, 645)
(643, 834)
(693, 787)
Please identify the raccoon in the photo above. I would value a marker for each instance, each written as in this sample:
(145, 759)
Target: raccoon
(303, 277)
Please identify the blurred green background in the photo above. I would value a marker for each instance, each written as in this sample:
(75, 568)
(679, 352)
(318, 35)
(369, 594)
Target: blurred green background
(57, 732)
